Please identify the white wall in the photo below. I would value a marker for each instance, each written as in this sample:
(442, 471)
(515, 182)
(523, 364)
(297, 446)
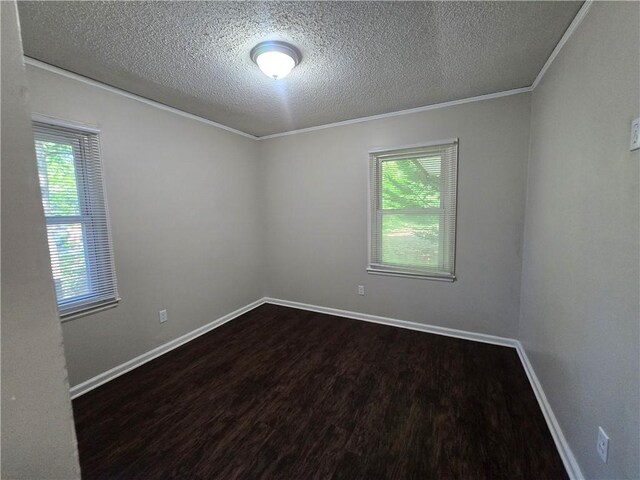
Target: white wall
(184, 201)
(580, 318)
(38, 438)
(316, 200)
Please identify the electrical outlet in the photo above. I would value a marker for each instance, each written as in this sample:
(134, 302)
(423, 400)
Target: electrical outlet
(603, 445)
(635, 135)
(163, 316)
(360, 289)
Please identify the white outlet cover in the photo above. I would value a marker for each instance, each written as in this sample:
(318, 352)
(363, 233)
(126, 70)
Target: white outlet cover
(360, 289)
(163, 316)
(635, 135)
(603, 445)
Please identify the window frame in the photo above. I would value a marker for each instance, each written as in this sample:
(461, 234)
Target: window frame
(98, 255)
(375, 213)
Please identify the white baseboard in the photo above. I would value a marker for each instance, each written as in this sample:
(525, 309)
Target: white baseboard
(125, 367)
(569, 460)
(420, 327)
(570, 463)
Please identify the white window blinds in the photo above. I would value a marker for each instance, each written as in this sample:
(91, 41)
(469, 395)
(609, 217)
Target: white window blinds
(71, 183)
(413, 211)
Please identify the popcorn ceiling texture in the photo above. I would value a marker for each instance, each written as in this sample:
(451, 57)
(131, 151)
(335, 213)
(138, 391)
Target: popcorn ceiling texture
(358, 58)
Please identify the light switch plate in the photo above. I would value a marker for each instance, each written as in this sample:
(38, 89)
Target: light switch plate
(635, 135)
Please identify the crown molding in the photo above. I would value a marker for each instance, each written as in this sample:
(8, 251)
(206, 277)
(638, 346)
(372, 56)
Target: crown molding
(565, 37)
(577, 20)
(409, 111)
(66, 73)
(74, 76)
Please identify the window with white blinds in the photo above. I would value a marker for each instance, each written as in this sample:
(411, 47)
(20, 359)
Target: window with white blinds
(413, 211)
(71, 183)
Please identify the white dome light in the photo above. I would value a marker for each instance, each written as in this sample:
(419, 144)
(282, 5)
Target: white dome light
(275, 59)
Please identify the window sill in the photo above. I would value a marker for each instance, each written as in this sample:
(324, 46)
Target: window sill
(90, 311)
(422, 276)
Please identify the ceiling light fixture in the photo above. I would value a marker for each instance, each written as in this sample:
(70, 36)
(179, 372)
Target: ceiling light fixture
(275, 59)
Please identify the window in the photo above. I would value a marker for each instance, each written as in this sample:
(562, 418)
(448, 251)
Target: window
(413, 211)
(70, 175)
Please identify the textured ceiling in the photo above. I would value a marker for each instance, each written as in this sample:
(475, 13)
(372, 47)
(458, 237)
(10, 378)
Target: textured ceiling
(358, 58)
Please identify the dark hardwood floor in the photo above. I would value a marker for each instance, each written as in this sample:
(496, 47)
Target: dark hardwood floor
(290, 394)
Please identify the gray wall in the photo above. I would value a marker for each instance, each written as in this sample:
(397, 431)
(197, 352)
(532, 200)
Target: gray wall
(205, 221)
(580, 316)
(38, 439)
(184, 202)
(316, 199)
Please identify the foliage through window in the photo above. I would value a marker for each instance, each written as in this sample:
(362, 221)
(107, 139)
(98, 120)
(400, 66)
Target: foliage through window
(80, 247)
(413, 211)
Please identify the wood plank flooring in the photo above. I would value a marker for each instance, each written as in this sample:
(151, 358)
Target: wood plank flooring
(289, 394)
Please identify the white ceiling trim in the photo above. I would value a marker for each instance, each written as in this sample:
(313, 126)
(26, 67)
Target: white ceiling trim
(567, 34)
(453, 103)
(66, 73)
(577, 20)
